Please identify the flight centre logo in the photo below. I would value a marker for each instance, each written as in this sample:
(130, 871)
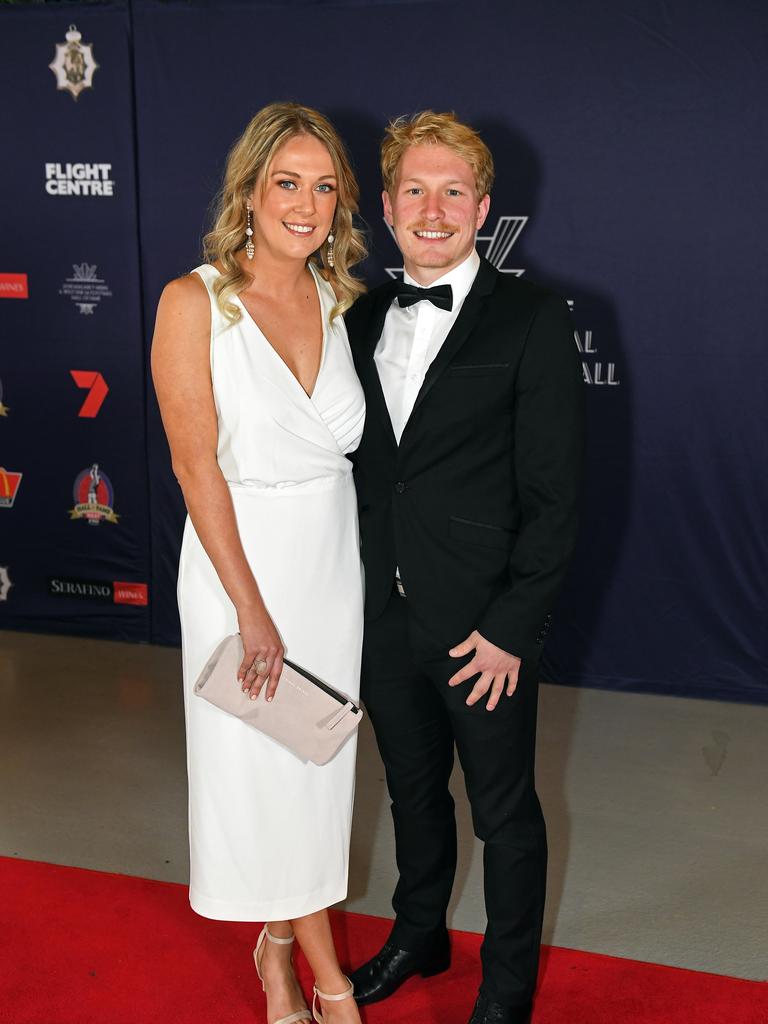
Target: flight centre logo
(74, 64)
(496, 247)
(94, 497)
(79, 179)
(10, 481)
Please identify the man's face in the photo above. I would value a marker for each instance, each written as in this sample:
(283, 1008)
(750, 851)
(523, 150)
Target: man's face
(434, 211)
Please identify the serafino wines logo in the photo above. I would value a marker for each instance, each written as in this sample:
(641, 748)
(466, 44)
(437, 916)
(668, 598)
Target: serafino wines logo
(97, 391)
(496, 247)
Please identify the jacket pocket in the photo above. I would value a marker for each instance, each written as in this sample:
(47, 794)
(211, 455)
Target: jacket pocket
(481, 533)
(477, 369)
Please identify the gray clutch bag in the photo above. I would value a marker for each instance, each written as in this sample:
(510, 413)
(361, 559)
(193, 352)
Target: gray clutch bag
(306, 715)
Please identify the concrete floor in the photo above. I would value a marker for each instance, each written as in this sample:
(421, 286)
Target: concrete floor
(655, 806)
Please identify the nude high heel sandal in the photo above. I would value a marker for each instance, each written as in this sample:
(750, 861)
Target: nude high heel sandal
(267, 934)
(329, 998)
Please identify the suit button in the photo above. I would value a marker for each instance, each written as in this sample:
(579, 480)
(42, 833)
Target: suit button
(400, 486)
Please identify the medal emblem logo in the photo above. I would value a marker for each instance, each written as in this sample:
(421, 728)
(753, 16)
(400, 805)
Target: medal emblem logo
(94, 497)
(74, 64)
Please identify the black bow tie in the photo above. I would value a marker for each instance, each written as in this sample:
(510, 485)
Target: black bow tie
(441, 296)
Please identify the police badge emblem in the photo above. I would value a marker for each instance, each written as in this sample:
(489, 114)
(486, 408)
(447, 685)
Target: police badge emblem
(74, 63)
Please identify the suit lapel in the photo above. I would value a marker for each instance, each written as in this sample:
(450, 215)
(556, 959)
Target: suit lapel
(370, 375)
(473, 306)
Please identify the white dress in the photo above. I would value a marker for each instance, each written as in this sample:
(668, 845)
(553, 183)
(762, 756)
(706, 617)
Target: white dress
(269, 835)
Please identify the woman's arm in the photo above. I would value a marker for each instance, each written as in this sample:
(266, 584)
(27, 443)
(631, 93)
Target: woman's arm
(182, 377)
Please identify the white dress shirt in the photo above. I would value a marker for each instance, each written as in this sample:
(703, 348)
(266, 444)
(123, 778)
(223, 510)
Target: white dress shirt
(411, 339)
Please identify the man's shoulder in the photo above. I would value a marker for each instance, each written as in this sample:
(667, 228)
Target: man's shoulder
(357, 316)
(523, 292)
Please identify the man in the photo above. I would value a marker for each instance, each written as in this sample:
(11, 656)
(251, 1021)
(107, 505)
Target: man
(467, 478)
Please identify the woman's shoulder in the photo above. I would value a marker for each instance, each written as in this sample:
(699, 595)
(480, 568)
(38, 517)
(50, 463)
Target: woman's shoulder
(187, 293)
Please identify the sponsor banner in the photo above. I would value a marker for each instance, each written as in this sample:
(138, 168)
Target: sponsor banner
(85, 288)
(74, 64)
(79, 179)
(94, 497)
(97, 391)
(5, 583)
(117, 592)
(9, 487)
(14, 286)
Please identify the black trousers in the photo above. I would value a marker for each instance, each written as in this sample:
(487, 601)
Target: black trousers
(418, 719)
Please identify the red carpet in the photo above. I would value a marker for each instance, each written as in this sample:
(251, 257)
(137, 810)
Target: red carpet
(86, 947)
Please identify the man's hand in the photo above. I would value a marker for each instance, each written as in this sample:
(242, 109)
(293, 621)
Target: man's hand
(497, 669)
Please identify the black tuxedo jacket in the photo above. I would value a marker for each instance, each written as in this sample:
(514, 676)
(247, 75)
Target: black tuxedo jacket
(478, 504)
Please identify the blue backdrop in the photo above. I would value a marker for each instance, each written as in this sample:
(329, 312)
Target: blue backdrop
(631, 162)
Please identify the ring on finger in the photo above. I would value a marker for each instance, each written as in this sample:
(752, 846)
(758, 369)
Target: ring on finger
(259, 666)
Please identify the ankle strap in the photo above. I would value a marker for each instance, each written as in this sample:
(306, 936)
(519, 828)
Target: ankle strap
(276, 938)
(329, 998)
(335, 998)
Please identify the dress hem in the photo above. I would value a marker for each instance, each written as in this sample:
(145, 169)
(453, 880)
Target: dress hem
(275, 910)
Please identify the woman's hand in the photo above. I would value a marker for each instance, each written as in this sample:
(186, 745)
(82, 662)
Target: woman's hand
(262, 649)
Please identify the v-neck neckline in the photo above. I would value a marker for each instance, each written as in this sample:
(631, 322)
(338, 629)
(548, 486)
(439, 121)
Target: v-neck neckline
(323, 344)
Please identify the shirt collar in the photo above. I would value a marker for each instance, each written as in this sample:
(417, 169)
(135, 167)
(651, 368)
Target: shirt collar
(460, 278)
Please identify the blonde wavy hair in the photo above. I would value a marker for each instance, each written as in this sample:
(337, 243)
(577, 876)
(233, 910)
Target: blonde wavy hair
(248, 164)
(429, 128)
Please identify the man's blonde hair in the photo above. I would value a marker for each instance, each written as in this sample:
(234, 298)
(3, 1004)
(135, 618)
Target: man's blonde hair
(429, 128)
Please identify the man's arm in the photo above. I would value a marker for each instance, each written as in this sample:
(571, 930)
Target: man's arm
(548, 453)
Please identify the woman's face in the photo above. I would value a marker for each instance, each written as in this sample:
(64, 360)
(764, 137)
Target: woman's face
(293, 214)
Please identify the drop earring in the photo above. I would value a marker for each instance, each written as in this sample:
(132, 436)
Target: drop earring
(329, 252)
(249, 249)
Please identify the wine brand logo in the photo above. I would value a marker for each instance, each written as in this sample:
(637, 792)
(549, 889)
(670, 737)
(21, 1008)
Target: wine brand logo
(85, 288)
(14, 286)
(79, 179)
(496, 247)
(97, 391)
(74, 64)
(4, 410)
(5, 583)
(94, 497)
(130, 593)
(9, 487)
(99, 590)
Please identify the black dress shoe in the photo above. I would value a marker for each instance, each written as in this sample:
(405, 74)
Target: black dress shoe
(387, 971)
(486, 1012)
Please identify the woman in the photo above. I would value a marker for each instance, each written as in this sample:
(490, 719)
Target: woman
(260, 403)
